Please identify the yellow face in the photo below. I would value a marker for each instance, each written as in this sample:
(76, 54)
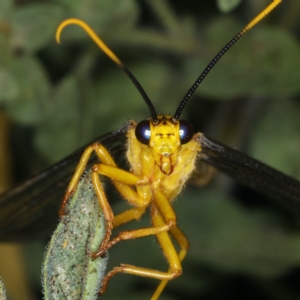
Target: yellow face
(165, 143)
(160, 142)
(165, 139)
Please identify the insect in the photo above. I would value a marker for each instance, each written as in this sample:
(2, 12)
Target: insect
(162, 152)
(206, 147)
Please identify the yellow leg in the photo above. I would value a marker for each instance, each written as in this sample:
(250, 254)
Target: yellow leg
(126, 179)
(128, 215)
(107, 168)
(110, 220)
(163, 283)
(168, 215)
(184, 245)
(168, 250)
(104, 157)
(121, 179)
(75, 179)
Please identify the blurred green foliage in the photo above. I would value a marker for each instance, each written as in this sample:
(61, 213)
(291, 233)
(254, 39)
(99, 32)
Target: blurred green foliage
(66, 95)
(227, 5)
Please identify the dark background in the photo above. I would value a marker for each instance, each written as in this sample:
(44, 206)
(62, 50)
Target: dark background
(55, 98)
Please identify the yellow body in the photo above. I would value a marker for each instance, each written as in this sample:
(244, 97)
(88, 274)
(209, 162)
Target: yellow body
(158, 173)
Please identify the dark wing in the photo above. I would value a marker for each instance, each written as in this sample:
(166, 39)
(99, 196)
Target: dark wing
(30, 210)
(252, 173)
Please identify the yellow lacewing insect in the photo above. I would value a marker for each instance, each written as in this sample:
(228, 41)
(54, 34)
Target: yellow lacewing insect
(162, 152)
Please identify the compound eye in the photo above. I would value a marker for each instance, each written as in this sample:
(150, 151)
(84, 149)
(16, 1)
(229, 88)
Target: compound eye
(143, 132)
(186, 131)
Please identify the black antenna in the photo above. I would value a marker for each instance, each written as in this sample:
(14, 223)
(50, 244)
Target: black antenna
(112, 56)
(250, 25)
(141, 91)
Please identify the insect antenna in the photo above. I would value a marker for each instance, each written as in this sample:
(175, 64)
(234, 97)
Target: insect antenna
(198, 81)
(111, 55)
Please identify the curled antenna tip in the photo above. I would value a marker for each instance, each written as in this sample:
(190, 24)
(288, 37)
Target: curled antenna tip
(65, 23)
(57, 37)
(58, 32)
(110, 54)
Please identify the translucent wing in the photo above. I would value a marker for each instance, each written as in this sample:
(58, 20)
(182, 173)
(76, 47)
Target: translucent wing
(252, 173)
(31, 209)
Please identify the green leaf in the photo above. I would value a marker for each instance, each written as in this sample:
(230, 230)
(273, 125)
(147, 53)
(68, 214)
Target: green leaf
(5, 9)
(32, 101)
(68, 269)
(227, 5)
(8, 86)
(263, 64)
(233, 239)
(60, 128)
(34, 25)
(275, 138)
